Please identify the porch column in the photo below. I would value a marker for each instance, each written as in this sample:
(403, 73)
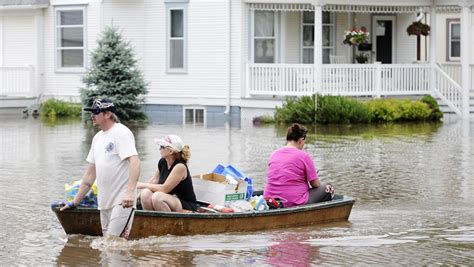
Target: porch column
(433, 45)
(350, 21)
(318, 46)
(465, 57)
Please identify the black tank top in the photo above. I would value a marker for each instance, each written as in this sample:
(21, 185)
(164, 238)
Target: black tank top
(184, 190)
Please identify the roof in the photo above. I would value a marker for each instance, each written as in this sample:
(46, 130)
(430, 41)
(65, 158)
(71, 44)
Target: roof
(23, 2)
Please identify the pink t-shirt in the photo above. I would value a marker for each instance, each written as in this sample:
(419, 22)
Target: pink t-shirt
(289, 171)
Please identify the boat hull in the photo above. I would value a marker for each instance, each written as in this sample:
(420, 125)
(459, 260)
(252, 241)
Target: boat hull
(151, 223)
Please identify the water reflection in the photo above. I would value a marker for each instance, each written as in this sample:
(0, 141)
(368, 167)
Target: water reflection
(412, 183)
(291, 250)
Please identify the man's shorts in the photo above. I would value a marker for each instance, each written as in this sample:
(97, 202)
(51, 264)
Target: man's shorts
(117, 221)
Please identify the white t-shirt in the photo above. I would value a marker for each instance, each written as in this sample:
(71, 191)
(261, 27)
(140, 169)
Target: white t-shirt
(109, 153)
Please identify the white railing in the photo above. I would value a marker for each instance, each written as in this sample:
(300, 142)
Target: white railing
(17, 81)
(280, 79)
(348, 79)
(405, 79)
(448, 90)
(454, 71)
(339, 79)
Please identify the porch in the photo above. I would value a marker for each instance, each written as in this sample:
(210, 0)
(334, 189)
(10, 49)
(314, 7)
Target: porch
(374, 80)
(277, 74)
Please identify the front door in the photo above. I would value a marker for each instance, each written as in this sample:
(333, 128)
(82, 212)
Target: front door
(383, 34)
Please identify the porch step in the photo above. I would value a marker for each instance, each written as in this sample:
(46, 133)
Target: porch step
(445, 109)
(16, 104)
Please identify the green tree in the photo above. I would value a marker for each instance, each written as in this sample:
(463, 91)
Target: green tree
(114, 74)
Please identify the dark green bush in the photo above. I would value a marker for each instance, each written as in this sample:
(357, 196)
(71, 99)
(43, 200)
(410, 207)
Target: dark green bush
(436, 113)
(56, 108)
(338, 109)
(299, 110)
(263, 120)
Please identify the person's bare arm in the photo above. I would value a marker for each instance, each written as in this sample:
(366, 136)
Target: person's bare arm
(315, 183)
(133, 174)
(156, 178)
(178, 173)
(88, 180)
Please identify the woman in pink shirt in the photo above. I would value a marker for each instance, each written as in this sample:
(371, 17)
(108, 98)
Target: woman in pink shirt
(292, 175)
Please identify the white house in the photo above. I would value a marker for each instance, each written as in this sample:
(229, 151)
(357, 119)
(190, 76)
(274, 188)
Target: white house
(207, 60)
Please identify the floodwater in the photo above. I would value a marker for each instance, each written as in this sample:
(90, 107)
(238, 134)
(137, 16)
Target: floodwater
(413, 186)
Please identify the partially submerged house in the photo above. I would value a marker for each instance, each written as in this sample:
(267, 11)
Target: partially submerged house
(210, 60)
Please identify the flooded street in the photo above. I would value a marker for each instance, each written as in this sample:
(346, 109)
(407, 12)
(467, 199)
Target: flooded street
(413, 185)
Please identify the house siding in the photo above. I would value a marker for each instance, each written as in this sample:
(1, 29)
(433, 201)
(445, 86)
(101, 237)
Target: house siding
(18, 38)
(406, 45)
(293, 38)
(128, 16)
(207, 72)
(65, 85)
(442, 36)
(238, 52)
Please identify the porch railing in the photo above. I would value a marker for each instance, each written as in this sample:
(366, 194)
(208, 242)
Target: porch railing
(339, 79)
(448, 90)
(280, 79)
(17, 81)
(454, 71)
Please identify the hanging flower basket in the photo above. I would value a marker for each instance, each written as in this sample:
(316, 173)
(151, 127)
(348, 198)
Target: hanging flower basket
(356, 36)
(418, 28)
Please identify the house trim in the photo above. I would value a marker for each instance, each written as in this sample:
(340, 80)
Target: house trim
(57, 67)
(393, 18)
(194, 108)
(448, 40)
(276, 37)
(377, 8)
(184, 7)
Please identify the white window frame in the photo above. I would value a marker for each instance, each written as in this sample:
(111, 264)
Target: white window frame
(450, 40)
(184, 8)
(276, 39)
(333, 35)
(194, 108)
(57, 48)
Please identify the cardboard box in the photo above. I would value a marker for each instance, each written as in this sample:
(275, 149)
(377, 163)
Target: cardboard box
(213, 189)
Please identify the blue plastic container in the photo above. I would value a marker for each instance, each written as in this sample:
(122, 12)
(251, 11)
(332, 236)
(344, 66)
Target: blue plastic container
(234, 172)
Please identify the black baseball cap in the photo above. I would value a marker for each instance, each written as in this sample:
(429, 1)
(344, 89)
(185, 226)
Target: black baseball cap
(101, 105)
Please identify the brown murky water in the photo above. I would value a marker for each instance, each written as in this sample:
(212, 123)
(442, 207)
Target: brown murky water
(413, 184)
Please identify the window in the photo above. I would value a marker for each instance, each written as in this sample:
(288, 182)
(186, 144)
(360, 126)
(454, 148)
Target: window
(264, 38)
(454, 40)
(177, 45)
(307, 37)
(194, 116)
(70, 38)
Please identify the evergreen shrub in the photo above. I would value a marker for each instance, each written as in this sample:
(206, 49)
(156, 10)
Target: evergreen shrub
(114, 74)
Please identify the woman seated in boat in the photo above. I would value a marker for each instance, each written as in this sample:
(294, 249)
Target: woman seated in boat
(171, 188)
(292, 175)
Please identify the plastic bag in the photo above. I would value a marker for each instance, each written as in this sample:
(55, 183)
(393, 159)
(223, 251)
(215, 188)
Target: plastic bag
(240, 206)
(258, 203)
(89, 200)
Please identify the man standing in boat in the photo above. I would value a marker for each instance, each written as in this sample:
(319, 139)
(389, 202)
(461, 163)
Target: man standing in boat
(113, 159)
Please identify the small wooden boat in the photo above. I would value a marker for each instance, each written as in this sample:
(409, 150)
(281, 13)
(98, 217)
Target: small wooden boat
(86, 221)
